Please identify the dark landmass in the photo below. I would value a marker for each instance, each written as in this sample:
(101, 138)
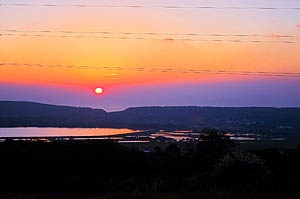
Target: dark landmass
(210, 169)
(30, 114)
(243, 119)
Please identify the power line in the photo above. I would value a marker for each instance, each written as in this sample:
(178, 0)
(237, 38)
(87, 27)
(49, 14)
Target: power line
(152, 33)
(149, 6)
(164, 70)
(148, 38)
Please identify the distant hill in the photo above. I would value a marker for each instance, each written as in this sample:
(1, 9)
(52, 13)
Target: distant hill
(219, 117)
(21, 114)
(36, 114)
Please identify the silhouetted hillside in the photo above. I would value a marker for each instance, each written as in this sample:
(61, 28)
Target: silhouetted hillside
(36, 114)
(226, 118)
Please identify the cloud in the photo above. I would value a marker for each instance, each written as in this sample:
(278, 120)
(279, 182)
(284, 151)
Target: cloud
(110, 74)
(169, 39)
(276, 35)
(172, 41)
(298, 26)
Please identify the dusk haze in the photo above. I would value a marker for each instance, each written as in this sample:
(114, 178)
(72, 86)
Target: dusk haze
(149, 99)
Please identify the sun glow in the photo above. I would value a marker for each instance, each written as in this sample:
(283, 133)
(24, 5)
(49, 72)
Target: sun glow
(98, 90)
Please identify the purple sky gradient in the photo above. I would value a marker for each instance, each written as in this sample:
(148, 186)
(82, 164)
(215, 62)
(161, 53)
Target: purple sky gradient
(270, 93)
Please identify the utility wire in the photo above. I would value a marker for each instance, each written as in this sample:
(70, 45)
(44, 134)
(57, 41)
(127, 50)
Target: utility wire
(149, 6)
(150, 33)
(165, 70)
(148, 38)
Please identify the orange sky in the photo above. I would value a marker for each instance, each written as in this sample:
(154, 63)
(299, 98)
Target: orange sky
(131, 55)
(160, 53)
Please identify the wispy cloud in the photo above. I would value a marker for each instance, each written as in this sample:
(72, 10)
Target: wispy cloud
(110, 74)
(298, 26)
(276, 35)
(169, 39)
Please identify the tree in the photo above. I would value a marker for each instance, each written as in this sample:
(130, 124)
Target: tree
(173, 149)
(213, 144)
(240, 175)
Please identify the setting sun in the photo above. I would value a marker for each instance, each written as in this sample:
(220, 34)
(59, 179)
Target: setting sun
(98, 90)
(150, 99)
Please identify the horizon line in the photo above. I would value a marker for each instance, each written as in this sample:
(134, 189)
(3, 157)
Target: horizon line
(152, 106)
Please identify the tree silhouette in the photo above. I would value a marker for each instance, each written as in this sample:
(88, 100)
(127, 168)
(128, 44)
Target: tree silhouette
(240, 175)
(213, 144)
(173, 149)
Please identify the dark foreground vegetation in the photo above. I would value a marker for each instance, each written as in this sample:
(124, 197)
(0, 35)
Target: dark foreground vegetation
(212, 168)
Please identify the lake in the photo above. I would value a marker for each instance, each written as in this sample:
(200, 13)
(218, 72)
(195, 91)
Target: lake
(57, 132)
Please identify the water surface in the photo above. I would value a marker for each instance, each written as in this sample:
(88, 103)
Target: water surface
(56, 132)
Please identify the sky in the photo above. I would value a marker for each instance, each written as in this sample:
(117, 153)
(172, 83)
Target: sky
(232, 54)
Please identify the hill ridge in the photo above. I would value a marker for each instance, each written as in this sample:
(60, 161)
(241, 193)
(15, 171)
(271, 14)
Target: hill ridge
(32, 114)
